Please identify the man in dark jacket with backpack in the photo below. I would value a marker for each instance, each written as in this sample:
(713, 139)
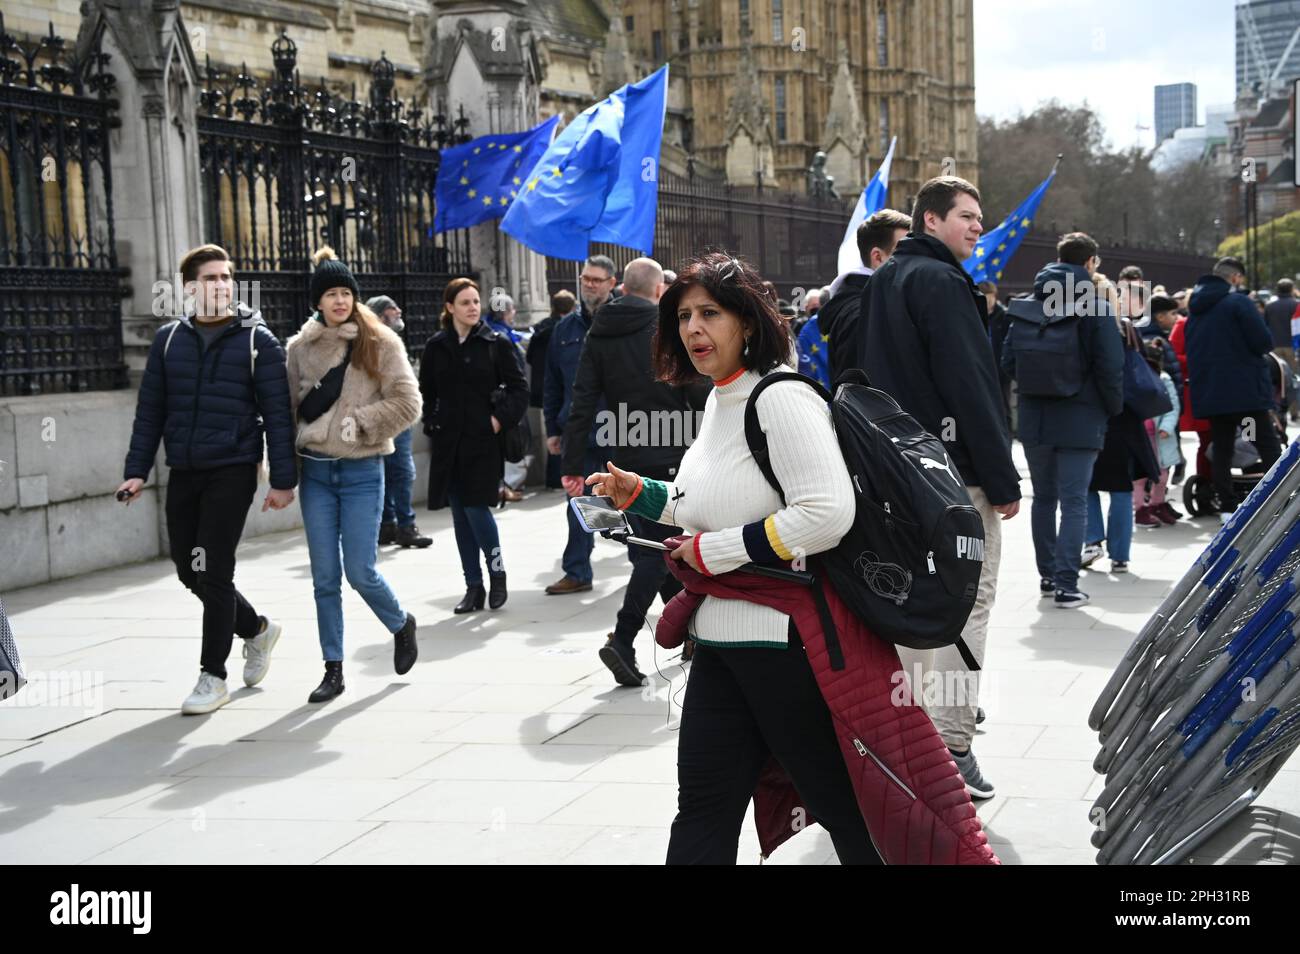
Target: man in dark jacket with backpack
(924, 340)
(214, 382)
(1064, 350)
(1226, 343)
(646, 428)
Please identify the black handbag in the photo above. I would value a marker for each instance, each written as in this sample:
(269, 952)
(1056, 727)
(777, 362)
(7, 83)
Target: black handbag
(1144, 392)
(327, 390)
(513, 438)
(12, 677)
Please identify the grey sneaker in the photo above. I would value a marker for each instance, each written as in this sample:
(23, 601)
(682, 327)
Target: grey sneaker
(257, 652)
(977, 786)
(209, 695)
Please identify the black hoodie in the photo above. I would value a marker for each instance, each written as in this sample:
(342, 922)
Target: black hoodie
(838, 321)
(646, 425)
(923, 341)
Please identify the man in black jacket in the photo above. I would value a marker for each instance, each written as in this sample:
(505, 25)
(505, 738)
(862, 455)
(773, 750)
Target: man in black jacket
(563, 303)
(924, 341)
(646, 428)
(213, 382)
(837, 320)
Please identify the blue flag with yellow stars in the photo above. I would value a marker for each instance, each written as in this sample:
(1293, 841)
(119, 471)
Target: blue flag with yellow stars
(599, 181)
(995, 248)
(814, 352)
(478, 180)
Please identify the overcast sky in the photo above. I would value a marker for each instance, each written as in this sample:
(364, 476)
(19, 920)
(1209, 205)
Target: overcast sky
(1111, 53)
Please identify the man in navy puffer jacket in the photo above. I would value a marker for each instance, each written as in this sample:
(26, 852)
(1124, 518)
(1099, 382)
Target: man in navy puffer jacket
(213, 384)
(1226, 343)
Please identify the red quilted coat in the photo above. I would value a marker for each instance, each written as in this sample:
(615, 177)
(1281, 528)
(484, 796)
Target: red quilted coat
(1186, 421)
(912, 797)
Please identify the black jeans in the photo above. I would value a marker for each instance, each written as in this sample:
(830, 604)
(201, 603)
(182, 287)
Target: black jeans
(206, 510)
(741, 706)
(1223, 435)
(649, 576)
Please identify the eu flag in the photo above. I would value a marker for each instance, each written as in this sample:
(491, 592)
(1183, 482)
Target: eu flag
(995, 248)
(599, 181)
(478, 180)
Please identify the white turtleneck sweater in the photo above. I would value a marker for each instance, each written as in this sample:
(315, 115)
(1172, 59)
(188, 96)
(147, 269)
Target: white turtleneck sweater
(722, 496)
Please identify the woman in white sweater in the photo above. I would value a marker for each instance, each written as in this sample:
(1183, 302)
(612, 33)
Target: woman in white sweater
(751, 691)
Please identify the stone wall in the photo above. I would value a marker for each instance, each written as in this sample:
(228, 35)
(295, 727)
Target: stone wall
(61, 460)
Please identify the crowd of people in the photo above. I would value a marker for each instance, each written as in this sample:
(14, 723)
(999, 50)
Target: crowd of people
(1099, 377)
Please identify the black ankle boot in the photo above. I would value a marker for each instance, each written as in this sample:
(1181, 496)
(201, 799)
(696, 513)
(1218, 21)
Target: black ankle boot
(473, 599)
(331, 685)
(405, 649)
(497, 592)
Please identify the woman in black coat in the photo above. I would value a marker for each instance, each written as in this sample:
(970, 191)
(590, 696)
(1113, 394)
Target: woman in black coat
(473, 391)
(1126, 456)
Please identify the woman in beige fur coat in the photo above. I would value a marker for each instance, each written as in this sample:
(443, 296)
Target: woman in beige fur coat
(353, 391)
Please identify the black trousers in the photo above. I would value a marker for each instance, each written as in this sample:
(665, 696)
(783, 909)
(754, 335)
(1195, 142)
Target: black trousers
(741, 705)
(650, 576)
(1223, 435)
(206, 510)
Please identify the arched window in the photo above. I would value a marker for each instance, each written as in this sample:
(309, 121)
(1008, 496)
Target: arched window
(778, 22)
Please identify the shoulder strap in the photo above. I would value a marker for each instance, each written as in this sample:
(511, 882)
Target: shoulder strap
(252, 351)
(754, 435)
(171, 334)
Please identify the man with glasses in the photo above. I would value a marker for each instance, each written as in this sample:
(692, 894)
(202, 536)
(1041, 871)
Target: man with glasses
(596, 288)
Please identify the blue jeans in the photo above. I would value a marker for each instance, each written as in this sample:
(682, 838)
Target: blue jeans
(341, 502)
(476, 531)
(1060, 476)
(399, 474)
(1119, 537)
(576, 561)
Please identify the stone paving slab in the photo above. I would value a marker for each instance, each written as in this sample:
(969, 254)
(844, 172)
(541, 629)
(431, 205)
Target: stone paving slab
(508, 742)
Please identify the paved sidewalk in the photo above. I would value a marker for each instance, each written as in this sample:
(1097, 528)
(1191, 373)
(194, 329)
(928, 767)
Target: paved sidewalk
(508, 742)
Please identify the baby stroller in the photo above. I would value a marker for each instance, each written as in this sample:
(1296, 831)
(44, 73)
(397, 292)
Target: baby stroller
(1199, 496)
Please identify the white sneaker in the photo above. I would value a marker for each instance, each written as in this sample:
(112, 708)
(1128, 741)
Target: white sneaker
(257, 652)
(209, 695)
(1091, 554)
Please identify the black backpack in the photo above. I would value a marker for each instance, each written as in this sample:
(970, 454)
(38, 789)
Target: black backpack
(1048, 348)
(909, 567)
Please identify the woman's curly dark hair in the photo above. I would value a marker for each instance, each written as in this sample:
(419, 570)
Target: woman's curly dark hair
(737, 287)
